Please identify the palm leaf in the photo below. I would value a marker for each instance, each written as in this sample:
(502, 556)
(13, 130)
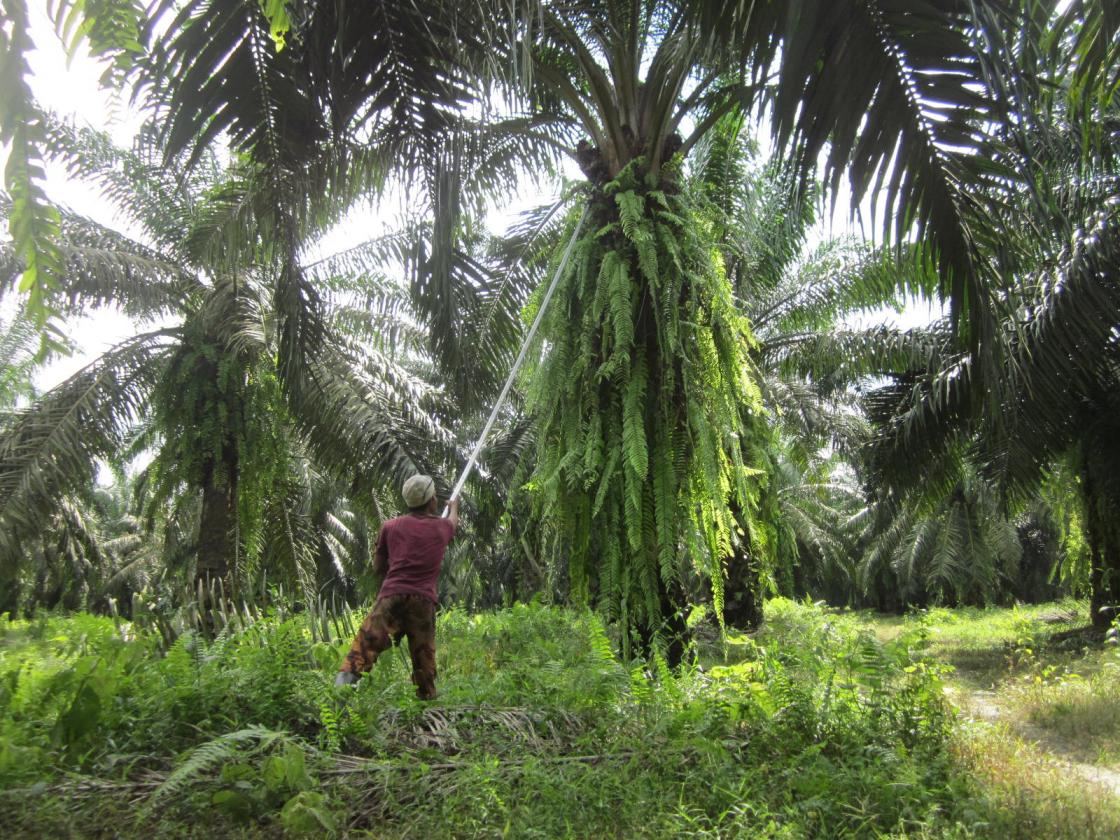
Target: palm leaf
(52, 447)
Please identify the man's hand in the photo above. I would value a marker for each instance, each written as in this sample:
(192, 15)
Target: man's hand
(453, 512)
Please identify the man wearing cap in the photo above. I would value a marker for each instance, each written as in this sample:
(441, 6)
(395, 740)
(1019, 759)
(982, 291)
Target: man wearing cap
(409, 554)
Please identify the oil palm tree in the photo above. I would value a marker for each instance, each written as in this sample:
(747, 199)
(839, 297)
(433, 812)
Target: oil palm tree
(209, 390)
(261, 467)
(799, 300)
(948, 545)
(1060, 305)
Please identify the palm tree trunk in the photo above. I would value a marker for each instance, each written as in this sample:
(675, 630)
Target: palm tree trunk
(10, 591)
(742, 606)
(215, 526)
(1104, 570)
(673, 630)
(1103, 532)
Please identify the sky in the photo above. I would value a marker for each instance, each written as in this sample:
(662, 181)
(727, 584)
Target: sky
(70, 88)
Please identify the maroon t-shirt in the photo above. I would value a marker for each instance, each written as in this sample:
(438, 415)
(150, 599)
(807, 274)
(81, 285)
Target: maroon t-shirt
(414, 545)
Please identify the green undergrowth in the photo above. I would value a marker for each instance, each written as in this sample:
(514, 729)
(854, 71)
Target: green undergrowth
(1049, 681)
(1048, 712)
(984, 644)
(810, 728)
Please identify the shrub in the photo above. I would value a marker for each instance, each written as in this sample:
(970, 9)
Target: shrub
(811, 727)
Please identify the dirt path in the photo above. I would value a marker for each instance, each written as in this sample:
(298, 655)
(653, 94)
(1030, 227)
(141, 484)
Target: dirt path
(984, 706)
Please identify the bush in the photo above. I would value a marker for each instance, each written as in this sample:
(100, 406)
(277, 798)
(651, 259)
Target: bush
(811, 727)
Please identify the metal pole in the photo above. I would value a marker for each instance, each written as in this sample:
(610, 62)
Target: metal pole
(472, 460)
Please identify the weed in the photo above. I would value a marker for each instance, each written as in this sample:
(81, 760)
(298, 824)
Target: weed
(815, 726)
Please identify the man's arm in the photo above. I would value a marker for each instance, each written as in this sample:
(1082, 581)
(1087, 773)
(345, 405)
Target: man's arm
(381, 554)
(453, 513)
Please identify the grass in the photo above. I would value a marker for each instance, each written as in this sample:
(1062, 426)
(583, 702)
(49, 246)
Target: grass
(1081, 712)
(1070, 695)
(821, 725)
(983, 645)
(1056, 684)
(1049, 695)
(1028, 793)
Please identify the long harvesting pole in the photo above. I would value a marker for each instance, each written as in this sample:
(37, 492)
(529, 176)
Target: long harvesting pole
(473, 459)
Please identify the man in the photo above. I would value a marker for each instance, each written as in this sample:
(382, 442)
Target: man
(409, 554)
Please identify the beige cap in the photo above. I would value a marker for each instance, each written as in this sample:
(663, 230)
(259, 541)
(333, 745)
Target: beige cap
(418, 489)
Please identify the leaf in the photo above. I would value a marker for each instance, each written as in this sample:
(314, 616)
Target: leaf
(287, 771)
(308, 814)
(79, 719)
(32, 222)
(209, 755)
(111, 27)
(51, 447)
(276, 11)
(236, 803)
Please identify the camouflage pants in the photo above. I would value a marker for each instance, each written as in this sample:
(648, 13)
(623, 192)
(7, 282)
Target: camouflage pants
(392, 617)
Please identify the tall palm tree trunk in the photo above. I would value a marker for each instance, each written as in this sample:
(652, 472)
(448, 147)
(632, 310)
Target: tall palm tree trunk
(10, 592)
(1103, 531)
(743, 599)
(216, 524)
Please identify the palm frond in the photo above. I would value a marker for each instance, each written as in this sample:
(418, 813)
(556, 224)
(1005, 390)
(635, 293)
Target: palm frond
(19, 341)
(155, 195)
(893, 94)
(1096, 44)
(387, 69)
(52, 447)
(109, 28)
(360, 428)
(102, 268)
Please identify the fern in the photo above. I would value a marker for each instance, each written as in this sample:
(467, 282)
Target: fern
(631, 213)
(331, 734)
(32, 222)
(622, 315)
(209, 755)
(641, 447)
(634, 421)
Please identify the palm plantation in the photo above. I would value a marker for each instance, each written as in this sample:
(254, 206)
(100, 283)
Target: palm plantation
(747, 544)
